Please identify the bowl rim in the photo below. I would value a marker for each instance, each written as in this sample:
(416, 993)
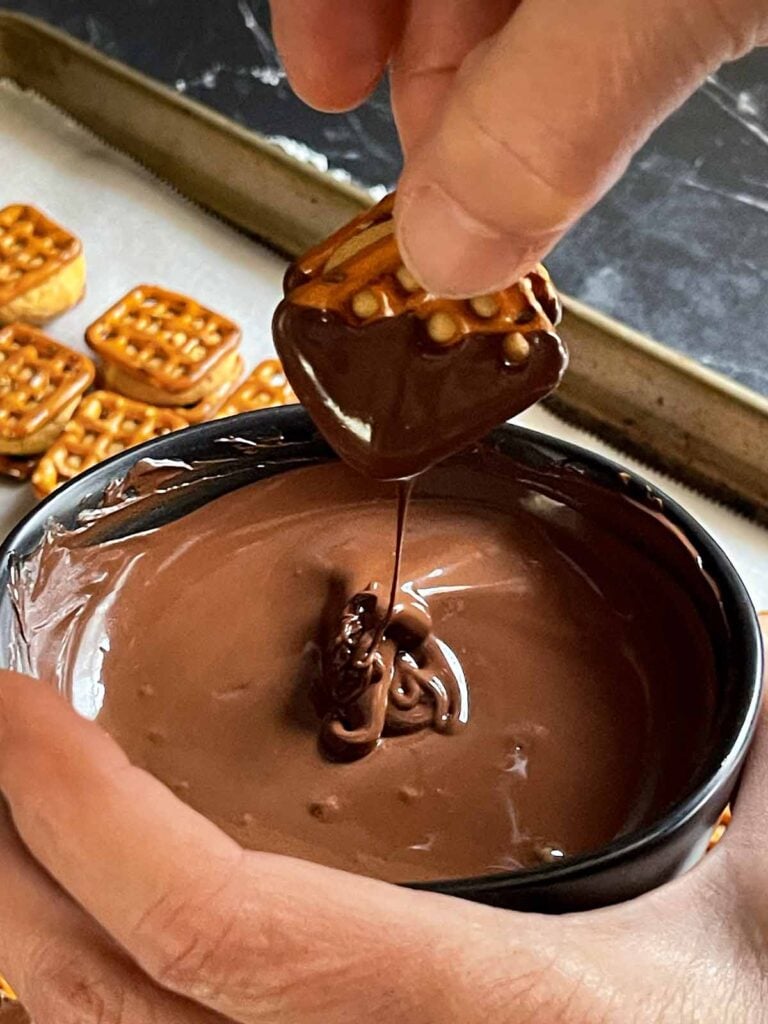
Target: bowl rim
(723, 758)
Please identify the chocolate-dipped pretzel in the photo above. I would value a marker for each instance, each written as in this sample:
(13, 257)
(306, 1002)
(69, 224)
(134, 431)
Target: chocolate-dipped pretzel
(397, 378)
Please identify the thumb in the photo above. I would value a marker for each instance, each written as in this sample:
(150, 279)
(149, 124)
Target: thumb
(542, 119)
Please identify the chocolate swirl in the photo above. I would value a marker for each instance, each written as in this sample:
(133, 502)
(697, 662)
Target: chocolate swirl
(386, 677)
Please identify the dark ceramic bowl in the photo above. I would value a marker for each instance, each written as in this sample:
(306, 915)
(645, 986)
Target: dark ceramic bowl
(232, 453)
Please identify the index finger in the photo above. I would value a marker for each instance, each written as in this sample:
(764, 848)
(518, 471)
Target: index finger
(335, 51)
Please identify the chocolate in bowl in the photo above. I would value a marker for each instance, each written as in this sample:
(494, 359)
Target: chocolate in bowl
(691, 629)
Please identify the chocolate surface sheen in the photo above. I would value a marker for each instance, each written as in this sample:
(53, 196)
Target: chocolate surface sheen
(391, 404)
(572, 615)
(387, 675)
(396, 378)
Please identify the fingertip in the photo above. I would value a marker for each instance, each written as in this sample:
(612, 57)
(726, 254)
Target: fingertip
(335, 94)
(41, 732)
(24, 699)
(451, 252)
(334, 54)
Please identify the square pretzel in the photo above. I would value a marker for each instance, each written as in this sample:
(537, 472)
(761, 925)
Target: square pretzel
(104, 425)
(208, 406)
(42, 269)
(41, 382)
(164, 341)
(265, 387)
(358, 273)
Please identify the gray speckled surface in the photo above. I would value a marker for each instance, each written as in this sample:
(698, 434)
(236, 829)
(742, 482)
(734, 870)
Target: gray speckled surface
(678, 249)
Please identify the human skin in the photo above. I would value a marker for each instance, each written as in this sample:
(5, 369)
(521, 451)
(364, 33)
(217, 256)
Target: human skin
(515, 115)
(121, 905)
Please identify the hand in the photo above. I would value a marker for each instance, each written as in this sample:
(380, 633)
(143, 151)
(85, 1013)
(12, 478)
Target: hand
(120, 905)
(516, 116)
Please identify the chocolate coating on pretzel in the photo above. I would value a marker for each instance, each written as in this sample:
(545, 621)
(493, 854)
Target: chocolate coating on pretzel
(397, 378)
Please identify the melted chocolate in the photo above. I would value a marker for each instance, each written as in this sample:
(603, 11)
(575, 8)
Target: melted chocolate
(390, 403)
(384, 670)
(386, 674)
(576, 616)
(397, 379)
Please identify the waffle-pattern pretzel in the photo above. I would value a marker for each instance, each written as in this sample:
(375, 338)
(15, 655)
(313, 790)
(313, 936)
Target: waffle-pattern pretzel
(39, 378)
(162, 337)
(359, 274)
(105, 423)
(208, 406)
(35, 250)
(266, 386)
(721, 828)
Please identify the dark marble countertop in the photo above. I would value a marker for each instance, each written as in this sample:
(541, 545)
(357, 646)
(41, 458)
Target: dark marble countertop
(678, 249)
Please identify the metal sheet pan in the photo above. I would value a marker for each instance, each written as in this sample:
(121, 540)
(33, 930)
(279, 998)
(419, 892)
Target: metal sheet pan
(667, 410)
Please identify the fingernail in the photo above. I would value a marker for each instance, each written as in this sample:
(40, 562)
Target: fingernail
(450, 252)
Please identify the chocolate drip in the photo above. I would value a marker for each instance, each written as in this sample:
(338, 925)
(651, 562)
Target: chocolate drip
(390, 402)
(385, 674)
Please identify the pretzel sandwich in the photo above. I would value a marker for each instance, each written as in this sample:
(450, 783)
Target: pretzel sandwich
(164, 348)
(208, 408)
(265, 387)
(397, 378)
(42, 267)
(104, 425)
(358, 273)
(41, 383)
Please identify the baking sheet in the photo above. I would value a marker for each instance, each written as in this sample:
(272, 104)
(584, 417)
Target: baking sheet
(668, 410)
(137, 230)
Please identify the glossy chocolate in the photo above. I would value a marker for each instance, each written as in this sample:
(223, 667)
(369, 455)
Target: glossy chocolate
(390, 404)
(395, 378)
(385, 673)
(582, 623)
